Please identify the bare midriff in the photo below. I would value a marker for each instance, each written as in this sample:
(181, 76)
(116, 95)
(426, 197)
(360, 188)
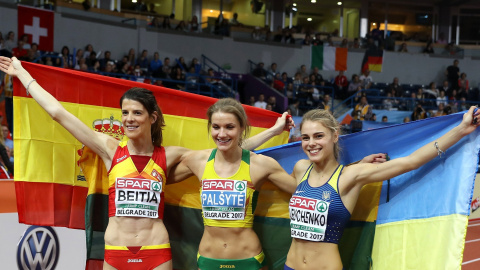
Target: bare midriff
(229, 243)
(308, 255)
(135, 231)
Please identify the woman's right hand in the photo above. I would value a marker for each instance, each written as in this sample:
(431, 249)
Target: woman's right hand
(11, 66)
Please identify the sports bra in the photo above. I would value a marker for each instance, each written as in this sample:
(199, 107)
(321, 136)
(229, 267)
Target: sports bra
(231, 201)
(136, 194)
(318, 213)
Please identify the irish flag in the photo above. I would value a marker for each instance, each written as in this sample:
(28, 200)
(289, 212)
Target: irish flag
(329, 58)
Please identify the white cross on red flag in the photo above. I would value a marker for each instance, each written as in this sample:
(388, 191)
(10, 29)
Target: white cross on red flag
(38, 24)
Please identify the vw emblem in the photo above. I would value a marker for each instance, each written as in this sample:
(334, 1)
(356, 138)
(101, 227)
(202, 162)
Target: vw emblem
(38, 249)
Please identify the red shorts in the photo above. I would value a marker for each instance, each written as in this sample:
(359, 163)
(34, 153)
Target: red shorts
(137, 258)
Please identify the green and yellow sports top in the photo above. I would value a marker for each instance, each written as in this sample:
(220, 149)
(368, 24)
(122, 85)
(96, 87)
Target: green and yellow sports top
(228, 202)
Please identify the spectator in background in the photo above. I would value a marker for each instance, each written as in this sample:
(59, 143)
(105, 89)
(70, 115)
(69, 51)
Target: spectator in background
(166, 23)
(278, 83)
(287, 37)
(197, 67)
(155, 65)
(406, 119)
(67, 59)
(290, 92)
(151, 8)
(234, 21)
(181, 64)
(260, 103)
(442, 99)
(318, 78)
(7, 136)
(256, 34)
(356, 44)
(453, 74)
(362, 111)
(441, 39)
(385, 119)
(259, 71)
(432, 91)
(341, 85)
(462, 105)
(318, 40)
(440, 110)
(395, 88)
(366, 79)
(429, 48)
(106, 58)
(26, 42)
(373, 118)
(403, 47)
(463, 82)
(181, 27)
(155, 23)
(19, 51)
(303, 71)
(344, 43)
(142, 61)
(307, 40)
(251, 101)
(9, 42)
(132, 58)
(194, 26)
(88, 51)
(272, 101)
(295, 108)
(419, 113)
(446, 88)
(272, 72)
(355, 85)
(166, 69)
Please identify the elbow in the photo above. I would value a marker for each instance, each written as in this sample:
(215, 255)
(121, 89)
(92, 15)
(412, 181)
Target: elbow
(55, 114)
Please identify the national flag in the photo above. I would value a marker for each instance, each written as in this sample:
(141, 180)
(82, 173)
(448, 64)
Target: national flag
(417, 220)
(372, 60)
(53, 191)
(329, 58)
(38, 24)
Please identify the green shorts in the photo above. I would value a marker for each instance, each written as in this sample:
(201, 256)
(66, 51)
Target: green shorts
(253, 263)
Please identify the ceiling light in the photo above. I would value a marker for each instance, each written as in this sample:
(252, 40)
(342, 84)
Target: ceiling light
(314, 1)
(309, 19)
(294, 4)
(339, 3)
(211, 10)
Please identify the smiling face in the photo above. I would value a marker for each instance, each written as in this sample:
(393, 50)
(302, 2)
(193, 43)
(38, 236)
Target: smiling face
(226, 130)
(136, 121)
(318, 141)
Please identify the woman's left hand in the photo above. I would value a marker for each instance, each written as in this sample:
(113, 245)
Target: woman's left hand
(284, 122)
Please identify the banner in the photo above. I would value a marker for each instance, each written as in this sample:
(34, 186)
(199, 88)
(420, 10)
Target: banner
(38, 24)
(372, 60)
(329, 58)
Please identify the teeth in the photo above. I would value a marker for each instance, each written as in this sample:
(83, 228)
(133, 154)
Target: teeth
(314, 151)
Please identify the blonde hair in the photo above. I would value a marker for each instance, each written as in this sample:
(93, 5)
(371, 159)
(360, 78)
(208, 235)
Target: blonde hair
(327, 120)
(232, 106)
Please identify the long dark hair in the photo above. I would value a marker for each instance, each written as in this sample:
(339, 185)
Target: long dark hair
(147, 99)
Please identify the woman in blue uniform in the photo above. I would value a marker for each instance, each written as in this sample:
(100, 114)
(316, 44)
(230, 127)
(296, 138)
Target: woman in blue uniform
(327, 191)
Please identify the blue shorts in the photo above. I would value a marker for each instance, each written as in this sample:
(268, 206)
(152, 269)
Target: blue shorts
(287, 268)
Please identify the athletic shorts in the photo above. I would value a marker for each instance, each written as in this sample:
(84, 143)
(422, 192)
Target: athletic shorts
(137, 258)
(253, 263)
(286, 267)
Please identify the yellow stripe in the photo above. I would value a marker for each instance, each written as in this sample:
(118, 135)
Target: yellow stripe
(162, 246)
(43, 144)
(431, 243)
(260, 257)
(366, 208)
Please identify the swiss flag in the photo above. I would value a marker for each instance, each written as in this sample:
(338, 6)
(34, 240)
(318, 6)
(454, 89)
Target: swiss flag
(38, 24)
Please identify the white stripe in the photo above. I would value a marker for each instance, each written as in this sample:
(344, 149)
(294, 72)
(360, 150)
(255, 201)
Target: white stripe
(476, 260)
(329, 58)
(472, 225)
(471, 241)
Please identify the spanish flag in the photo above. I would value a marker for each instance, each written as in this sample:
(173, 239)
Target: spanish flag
(53, 190)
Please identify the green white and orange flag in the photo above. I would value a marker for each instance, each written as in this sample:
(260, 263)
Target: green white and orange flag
(51, 188)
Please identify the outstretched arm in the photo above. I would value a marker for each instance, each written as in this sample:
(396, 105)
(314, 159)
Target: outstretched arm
(367, 173)
(283, 123)
(101, 144)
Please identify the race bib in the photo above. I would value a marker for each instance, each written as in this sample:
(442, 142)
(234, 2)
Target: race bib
(137, 197)
(224, 199)
(308, 218)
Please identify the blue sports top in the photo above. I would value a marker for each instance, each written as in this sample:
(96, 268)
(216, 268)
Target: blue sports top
(318, 213)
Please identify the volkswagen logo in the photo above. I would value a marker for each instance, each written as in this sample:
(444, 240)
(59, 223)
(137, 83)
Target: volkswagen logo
(38, 249)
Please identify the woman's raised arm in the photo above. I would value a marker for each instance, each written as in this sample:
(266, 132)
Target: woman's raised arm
(368, 173)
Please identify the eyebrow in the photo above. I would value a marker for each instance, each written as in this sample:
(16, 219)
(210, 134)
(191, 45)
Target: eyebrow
(316, 133)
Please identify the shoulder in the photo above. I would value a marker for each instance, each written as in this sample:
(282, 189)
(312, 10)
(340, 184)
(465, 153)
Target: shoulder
(301, 167)
(265, 162)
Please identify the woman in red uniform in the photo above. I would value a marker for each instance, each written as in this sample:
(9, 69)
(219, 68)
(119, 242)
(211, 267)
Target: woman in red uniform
(135, 237)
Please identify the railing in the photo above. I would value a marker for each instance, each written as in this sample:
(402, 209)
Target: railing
(208, 63)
